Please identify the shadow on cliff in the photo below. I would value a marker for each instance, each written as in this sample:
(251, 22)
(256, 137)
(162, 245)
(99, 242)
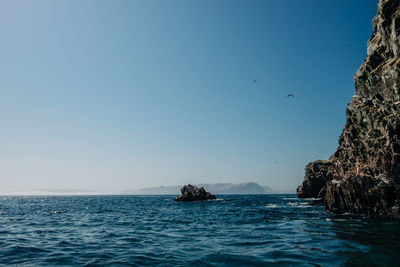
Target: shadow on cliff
(363, 175)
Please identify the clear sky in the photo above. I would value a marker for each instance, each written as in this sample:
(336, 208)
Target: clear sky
(118, 95)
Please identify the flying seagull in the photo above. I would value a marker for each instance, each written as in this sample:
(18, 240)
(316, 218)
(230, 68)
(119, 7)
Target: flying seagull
(290, 95)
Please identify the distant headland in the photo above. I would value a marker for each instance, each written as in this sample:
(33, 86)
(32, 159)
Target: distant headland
(247, 188)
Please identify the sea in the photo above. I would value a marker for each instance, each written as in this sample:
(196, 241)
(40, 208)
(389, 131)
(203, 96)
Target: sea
(234, 230)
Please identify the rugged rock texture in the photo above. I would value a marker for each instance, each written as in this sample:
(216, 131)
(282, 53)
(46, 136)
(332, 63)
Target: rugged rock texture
(317, 176)
(193, 193)
(363, 176)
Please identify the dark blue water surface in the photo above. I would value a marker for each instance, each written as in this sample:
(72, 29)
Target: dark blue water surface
(234, 230)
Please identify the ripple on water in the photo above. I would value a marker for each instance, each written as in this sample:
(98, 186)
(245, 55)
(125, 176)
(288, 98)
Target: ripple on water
(234, 230)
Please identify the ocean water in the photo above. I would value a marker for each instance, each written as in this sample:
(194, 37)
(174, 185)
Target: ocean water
(235, 230)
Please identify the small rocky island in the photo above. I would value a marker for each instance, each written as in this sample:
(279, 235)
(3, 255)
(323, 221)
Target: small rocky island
(193, 193)
(363, 175)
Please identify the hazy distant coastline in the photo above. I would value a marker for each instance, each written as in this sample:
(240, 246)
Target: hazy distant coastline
(248, 188)
(50, 192)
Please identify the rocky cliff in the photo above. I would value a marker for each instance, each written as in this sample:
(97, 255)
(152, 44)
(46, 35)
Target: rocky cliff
(363, 175)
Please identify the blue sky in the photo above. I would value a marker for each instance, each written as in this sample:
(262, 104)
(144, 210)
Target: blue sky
(118, 95)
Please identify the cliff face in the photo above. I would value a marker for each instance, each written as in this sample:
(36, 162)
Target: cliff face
(363, 175)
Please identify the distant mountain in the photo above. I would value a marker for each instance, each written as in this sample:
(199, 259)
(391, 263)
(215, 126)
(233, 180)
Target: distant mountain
(218, 189)
(157, 190)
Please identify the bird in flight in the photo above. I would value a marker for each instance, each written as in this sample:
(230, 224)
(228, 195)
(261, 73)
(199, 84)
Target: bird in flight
(290, 95)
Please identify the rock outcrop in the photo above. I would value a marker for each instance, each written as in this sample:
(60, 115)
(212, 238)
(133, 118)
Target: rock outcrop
(193, 193)
(317, 175)
(363, 175)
